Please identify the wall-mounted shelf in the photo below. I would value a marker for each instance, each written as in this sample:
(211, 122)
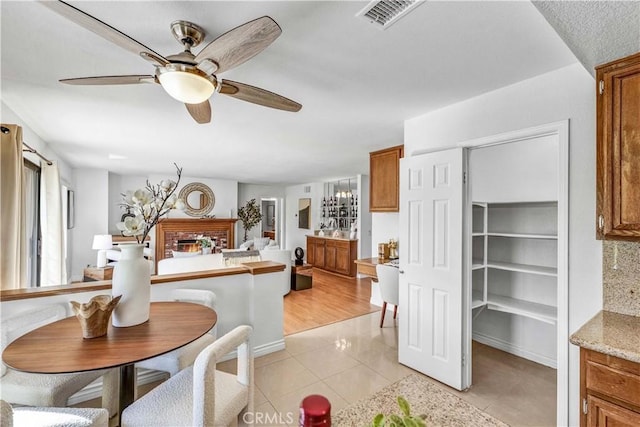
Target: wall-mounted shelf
(523, 268)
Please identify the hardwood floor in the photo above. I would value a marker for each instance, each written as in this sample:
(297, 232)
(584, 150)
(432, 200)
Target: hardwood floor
(331, 299)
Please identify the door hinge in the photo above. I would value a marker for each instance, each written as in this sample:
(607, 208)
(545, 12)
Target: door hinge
(601, 222)
(585, 406)
(601, 86)
(464, 177)
(464, 360)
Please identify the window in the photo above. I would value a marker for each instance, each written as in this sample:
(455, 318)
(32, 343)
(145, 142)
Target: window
(32, 222)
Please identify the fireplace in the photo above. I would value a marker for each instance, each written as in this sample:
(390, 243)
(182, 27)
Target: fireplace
(180, 234)
(188, 245)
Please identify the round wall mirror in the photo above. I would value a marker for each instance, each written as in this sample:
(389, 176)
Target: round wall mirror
(198, 199)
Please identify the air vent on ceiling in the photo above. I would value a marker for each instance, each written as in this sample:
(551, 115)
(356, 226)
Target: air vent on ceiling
(383, 13)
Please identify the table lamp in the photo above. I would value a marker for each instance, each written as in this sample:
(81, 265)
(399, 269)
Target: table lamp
(102, 242)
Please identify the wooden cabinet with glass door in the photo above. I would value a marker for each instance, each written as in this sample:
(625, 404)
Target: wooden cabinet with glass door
(618, 149)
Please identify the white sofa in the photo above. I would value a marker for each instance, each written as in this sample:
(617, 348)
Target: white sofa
(216, 261)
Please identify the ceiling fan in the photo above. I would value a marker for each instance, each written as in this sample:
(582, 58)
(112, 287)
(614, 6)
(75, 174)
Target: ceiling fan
(187, 77)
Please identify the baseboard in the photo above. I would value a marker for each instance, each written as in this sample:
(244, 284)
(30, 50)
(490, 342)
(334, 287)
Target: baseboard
(260, 350)
(515, 350)
(94, 390)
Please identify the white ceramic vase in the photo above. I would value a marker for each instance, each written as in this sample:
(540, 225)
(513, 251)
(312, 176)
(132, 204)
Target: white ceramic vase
(132, 280)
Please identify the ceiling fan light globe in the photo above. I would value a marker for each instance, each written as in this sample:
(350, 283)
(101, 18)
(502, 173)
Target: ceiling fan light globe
(186, 87)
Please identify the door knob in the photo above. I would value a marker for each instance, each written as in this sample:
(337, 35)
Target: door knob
(401, 271)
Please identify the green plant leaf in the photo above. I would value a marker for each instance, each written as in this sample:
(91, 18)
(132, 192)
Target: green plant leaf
(410, 422)
(378, 421)
(404, 406)
(396, 420)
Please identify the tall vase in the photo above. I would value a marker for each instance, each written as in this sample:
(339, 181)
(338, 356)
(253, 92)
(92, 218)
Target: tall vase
(132, 280)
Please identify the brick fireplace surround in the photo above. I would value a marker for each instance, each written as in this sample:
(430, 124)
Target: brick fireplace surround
(170, 230)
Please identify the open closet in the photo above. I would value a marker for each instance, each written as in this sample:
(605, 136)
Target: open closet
(484, 234)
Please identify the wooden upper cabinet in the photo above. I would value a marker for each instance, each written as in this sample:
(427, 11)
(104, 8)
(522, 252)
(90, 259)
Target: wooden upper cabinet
(384, 183)
(618, 149)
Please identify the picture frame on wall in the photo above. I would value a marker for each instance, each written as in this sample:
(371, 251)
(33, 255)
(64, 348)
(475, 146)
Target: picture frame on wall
(304, 213)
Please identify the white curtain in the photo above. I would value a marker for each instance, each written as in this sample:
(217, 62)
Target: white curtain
(13, 250)
(52, 270)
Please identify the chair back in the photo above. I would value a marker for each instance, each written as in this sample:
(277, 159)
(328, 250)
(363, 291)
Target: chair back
(18, 325)
(204, 372)
(198, 296)
(388, 280)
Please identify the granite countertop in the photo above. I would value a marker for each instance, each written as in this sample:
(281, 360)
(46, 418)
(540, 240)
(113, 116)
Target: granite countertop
(611, 333)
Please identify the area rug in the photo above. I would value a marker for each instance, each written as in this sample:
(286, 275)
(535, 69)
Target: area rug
(441, 407)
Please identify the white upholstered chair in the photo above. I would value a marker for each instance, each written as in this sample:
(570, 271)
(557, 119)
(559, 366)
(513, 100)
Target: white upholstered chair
(47, 389)
(388, 280)
(176, 360)
(52, 417)
(201, 395)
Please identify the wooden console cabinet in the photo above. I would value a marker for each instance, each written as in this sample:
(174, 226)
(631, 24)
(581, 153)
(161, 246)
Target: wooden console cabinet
(609, 390)
(335, 255)
(618, 149)
(384, 183)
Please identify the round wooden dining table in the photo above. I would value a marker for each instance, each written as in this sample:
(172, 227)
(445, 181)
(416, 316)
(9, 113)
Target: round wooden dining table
(59, 348)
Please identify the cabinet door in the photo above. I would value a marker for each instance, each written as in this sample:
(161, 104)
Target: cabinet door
(319, 258)
(618, 149)
(330, 255)
(311, 250)
(384, 184)
(343, 258)
(601, 413)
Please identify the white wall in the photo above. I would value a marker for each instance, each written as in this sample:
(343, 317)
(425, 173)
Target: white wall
(384, 226)
(119, 184)
(225, 191)
(247, 192)
(364, 218)
(91, 216)
(297, 236)
(567, 93)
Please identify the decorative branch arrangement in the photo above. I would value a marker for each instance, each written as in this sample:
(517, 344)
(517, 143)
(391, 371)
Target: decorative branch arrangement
(148, 205)
(250, 216)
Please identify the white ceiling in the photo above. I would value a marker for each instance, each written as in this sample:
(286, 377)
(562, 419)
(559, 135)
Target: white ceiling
(357, 83)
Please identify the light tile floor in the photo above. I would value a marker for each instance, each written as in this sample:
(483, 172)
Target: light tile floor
(350, 360)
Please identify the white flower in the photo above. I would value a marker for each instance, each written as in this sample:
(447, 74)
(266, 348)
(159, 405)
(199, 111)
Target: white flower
(127, 198)
(142, 197)
(179, 205)
(167, 184)
(171, 201)
(132, 226)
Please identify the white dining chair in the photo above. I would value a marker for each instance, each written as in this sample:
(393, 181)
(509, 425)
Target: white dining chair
(388, 280)
(176, 360)
(27, 416)
(201, 395)
(48, 390)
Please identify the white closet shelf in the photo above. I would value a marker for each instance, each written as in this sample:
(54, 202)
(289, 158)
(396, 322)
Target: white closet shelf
(477, 299)
(524, 235)
(542, 312)
(477, 264)
(478, 234)
(523, 268)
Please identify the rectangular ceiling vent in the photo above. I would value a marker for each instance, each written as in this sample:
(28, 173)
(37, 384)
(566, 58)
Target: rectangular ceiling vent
(383, 13)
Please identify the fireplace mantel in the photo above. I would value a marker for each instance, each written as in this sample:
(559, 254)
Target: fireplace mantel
(170, 230)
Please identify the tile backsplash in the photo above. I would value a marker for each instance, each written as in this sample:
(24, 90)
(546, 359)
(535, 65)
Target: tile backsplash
(621, 277)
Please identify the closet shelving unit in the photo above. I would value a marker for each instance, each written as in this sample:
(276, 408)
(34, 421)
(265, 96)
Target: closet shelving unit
(502, 232)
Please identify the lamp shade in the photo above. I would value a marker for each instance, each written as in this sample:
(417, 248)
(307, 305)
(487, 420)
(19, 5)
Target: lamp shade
(102, 241)
(187, 87)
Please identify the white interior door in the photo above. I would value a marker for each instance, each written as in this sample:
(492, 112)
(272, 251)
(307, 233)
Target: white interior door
(431, 264)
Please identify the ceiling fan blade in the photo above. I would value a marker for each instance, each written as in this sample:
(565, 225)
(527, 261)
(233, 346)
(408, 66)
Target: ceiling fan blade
(258, 96)
(240, 44)
(104, 30)
(201, 113)
(110, 80)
